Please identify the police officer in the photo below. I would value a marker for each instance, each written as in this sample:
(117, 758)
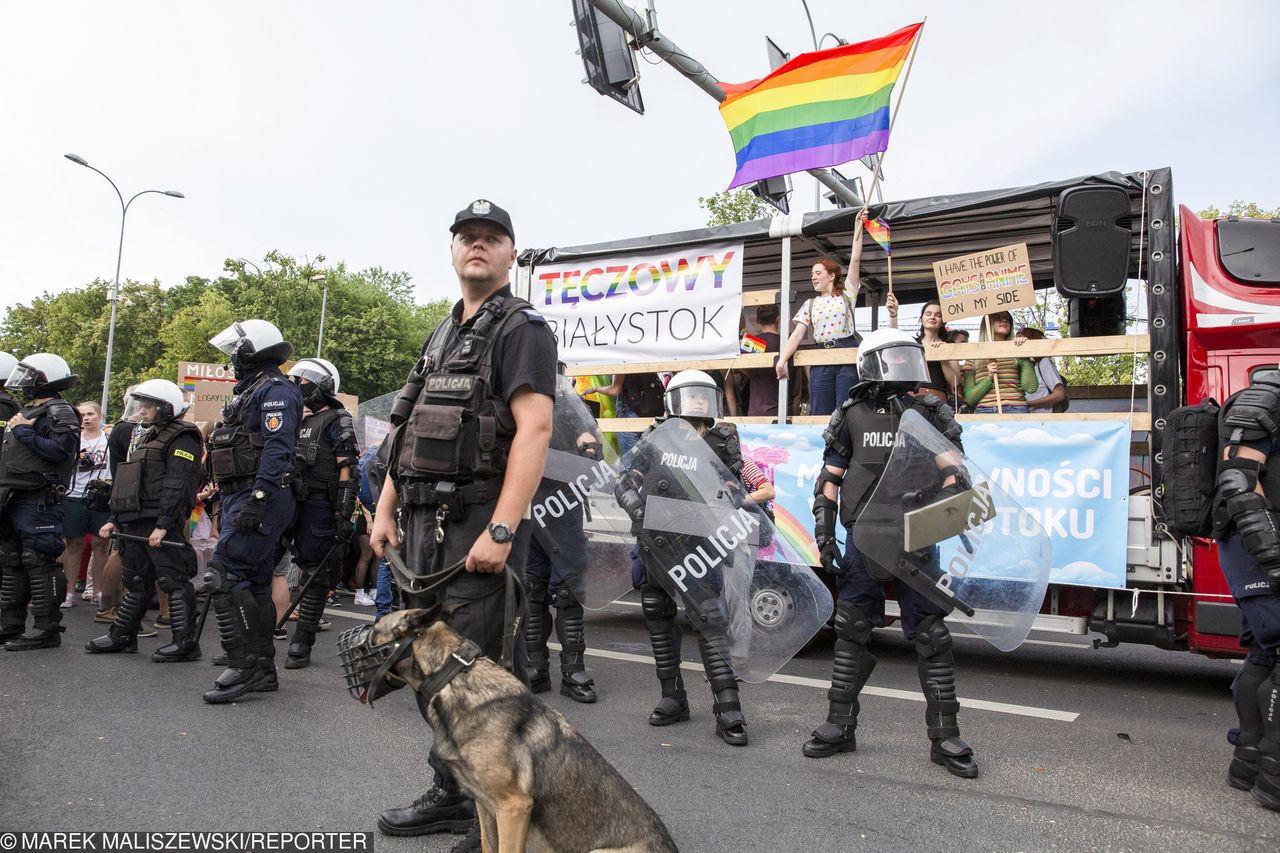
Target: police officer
(859, 440)
(326, 487)
(152, 494)
(1246, 503)
(8, 406)
(473, 421)
(38, 455)
(692, 395)
(251, 456)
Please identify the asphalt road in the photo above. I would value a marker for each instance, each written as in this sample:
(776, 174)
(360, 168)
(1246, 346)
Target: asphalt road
(1080, 749)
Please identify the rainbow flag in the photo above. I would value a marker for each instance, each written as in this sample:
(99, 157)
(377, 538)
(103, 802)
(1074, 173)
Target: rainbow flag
(880, 233)
(750, 343)
(820, 109)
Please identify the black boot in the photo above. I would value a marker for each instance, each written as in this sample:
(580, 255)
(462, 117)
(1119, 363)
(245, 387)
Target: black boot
(122, 636)
(1243, 771)
(537, 628)
(15, 595)
(660, 618)
(440, 809)
(237, 615)
(48, 590)
(267, 681)
(310, 609)
(851, 666)
(936, 666)
(571, 632)
(182, 619)
(731, 726)
(1266, 788)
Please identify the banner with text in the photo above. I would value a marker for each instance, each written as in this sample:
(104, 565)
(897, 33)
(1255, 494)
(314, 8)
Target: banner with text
(678, 304)
(1072, 477)
(985, 282)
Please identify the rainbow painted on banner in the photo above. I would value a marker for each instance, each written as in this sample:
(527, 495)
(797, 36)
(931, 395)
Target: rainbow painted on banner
(880, 233)
(796, 541)
(820, 109)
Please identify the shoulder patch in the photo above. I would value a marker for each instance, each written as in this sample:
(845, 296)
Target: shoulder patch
(274, 404)
(533, 316)
(182, 454)
(272, 421)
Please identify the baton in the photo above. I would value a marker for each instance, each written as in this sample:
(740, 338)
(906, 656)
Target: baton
(293, 605)
(132, 538)
(204, 614)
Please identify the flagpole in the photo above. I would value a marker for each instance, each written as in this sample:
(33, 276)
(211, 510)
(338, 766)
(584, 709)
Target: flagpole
(986, 320)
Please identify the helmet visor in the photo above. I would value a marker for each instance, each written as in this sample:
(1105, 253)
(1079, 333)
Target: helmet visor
(694, 401)
(147, 410)
(25, 376)
(895, 363)
(228, 340)
(315, 373)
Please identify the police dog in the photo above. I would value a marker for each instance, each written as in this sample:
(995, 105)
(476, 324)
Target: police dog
(533, 777)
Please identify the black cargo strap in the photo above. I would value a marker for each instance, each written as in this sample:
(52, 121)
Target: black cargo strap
(448, 494)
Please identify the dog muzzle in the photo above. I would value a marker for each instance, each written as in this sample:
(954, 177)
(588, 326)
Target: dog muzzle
(368, 667)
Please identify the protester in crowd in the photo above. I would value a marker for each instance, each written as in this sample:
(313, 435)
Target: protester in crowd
(204, 535)
(762, 382)
(80, 521)
(1052, 390)
(637, 395)
(830, 315)
(363, 560)
(944, 376)
(1016, 376)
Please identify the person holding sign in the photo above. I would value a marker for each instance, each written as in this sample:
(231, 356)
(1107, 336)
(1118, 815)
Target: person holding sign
(999, 385)
(830, 314)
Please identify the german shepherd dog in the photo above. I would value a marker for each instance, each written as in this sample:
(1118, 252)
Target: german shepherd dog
(533, 777)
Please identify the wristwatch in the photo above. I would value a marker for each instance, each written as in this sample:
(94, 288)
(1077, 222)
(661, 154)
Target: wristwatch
(259, 495)
(500, 533)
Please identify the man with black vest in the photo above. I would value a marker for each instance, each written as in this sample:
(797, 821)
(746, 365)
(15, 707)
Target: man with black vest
(251, 459)
(326, 488)
(153, 492)
(37, 457)
(470, 442)
(859, 443)
(1245, 514)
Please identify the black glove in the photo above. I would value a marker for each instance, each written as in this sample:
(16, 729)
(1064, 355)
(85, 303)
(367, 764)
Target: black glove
(252, 514)
(343, 529)
(824, 533)
(832, 557)
(633, 505)
(1273, 578)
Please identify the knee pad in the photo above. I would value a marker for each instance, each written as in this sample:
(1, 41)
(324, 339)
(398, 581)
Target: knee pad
(852, 624)
(933, 638)
(566, 600)
(169, 582)
(537, 589)
(656, 604)
(10, 555)
(33, 560)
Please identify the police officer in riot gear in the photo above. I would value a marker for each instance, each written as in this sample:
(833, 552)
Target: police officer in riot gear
(326, 486)
(37, 458)
(152, 494)
(1247, 526)
(473, 424)
(692, 395)
(250, 457)
(8, 406)
(859, 438)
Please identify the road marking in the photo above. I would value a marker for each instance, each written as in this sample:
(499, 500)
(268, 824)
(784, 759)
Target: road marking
(803, 681)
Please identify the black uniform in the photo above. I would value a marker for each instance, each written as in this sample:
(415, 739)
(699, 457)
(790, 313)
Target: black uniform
(36, 465)
(860, 440)
(251, 457)
(326, 447)
(449, 458)
(154, 487)
(702, 603)
(1248, 531)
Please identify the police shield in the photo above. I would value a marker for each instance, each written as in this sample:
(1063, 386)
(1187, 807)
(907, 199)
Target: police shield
(966, 547)
(714, 551)
(574, 516)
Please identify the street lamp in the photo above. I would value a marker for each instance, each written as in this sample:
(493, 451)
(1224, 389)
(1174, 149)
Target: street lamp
(324, 301)
(115, 289)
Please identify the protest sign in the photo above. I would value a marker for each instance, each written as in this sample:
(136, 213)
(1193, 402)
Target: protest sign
(985, 282)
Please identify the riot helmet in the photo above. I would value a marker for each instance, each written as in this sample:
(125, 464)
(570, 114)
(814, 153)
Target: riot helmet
(892, 357)
(41, 375)
(154, 402)
(693, 394)
(252, 345)
(7, 364)
(321, 387)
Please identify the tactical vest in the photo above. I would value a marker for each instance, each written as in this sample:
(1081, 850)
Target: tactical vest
(139, 481)
(871, 436)
(234, 452)
(21, 467)
(8, 408)
(1263, 397)
(315, 457)
(460, 429)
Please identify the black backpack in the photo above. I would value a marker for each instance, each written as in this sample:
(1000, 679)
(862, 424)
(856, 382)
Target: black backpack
(1190, 471)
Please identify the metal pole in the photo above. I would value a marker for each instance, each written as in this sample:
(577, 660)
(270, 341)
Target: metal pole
(115, 300)
(784, 309)
(666, 50)
(324, 301)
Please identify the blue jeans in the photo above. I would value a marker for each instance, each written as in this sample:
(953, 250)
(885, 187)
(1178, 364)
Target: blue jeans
(829, 384)
(1009, 409)
(626, 440)
(382, 600)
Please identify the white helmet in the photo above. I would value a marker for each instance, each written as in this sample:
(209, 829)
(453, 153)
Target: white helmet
(891, 355)
(253, 343)
(7, 364)
(693, 394)
(321, 371)
(41, 373)
(156, 401)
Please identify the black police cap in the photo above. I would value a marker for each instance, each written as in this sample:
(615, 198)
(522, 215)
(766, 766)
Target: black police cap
(483, 210)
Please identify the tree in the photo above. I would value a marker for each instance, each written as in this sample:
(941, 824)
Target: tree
(729, 206)
(1245, 210)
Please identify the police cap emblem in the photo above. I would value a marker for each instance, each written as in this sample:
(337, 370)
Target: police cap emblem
(480, 207)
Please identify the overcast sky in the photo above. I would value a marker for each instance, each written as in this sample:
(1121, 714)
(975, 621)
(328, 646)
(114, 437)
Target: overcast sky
(357, 130)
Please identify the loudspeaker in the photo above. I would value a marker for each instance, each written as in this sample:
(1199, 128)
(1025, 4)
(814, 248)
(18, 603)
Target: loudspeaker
(1091, 237)
(1097, 315)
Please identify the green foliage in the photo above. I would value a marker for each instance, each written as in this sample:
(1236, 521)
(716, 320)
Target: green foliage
(1116, 369)
(373, 329)
(727, 207)
(1245, 210)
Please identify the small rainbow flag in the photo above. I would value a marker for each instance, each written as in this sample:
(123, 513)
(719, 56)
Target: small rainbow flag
(880, 233)
(750, 343)
(820, 109)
